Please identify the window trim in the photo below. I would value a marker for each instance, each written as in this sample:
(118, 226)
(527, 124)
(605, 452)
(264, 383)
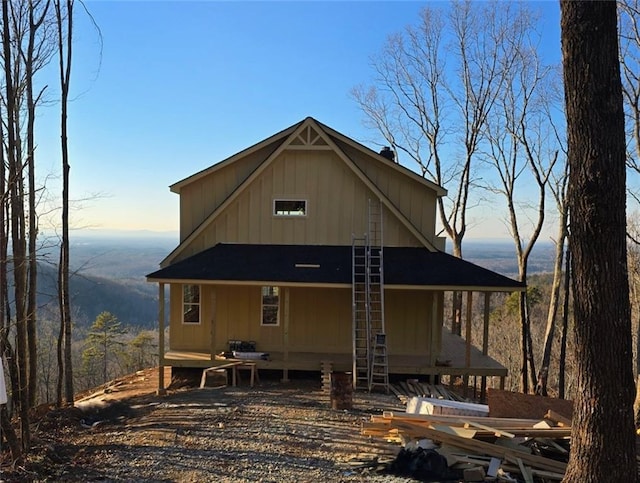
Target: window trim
(289, 213)
(197, 304)
(263, 305)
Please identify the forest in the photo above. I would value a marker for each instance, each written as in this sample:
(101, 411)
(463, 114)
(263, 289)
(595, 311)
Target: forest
(464, 97)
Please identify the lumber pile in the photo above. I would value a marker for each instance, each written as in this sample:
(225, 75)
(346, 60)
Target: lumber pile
(405, 390)
(531, 446)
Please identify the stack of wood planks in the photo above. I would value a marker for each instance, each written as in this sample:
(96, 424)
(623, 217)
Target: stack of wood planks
(484, 448)
(405, 390)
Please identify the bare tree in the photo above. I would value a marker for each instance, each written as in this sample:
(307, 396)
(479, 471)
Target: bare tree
(629, 35)
(566, 293)
(558, 187)
(436, 85)
(6, 351)
(559, 178)
(629, 21)
(522, 151)
(64, 17)
(36, 54)
(17, 224)
(603, 439)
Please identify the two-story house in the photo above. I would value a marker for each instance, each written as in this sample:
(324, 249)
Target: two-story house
(311, 245)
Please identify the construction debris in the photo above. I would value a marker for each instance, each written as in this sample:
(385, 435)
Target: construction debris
(532, 446)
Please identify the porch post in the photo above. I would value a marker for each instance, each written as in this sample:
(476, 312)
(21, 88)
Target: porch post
(285, 336)
(161, 389)
(485, 334)
(212, 332)
(434, 330)
(485, 341)
(467, 358)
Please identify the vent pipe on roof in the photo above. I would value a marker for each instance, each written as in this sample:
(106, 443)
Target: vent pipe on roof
(388, 153)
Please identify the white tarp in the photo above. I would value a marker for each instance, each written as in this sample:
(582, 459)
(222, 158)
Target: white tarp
(427, 405)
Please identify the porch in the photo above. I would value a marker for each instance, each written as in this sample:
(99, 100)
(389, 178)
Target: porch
(457, 359)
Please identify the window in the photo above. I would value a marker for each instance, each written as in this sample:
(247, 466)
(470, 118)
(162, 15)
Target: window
(270, 306)
(290, 207)
(190, 304)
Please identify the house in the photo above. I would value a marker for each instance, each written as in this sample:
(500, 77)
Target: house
(315, 248)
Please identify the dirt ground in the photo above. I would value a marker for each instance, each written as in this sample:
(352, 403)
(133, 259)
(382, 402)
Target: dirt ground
(274, 431)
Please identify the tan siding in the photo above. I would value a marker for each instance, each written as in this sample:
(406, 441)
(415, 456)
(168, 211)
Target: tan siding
(320, 320)
(189, 336)
(238, 317)
(408, 321)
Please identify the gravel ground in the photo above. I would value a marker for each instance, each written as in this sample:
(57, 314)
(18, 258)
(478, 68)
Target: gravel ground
(274, 432)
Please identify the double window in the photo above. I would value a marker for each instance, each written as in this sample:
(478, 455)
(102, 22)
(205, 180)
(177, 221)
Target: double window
(270, 306)
(191, 304)
(290, 207)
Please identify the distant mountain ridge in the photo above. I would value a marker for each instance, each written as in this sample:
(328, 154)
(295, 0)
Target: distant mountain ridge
(131, 302)
(108, 274)
(500, 256)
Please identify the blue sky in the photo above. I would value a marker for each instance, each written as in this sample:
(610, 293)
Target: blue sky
(179, 86)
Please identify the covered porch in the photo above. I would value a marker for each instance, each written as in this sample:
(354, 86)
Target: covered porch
(452, 362)
(314, 325)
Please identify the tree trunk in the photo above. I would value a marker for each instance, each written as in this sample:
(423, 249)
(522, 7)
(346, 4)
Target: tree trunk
(10, 435)
(524, 366)
(34, 25)
(603, 437)
(64, 51)
(60, 341)
(456, 297)
(543, 375)
(565, 324)
(636, 403)
(18, 241)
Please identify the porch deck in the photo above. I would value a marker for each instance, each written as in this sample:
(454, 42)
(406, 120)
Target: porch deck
(452, 361)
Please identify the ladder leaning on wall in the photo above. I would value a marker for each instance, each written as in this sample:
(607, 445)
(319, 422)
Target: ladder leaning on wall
(370, 362)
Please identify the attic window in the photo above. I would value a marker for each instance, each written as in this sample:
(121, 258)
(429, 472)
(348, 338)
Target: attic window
(290, 207)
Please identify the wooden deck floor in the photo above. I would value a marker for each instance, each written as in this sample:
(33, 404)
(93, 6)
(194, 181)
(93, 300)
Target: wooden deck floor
(453, 352)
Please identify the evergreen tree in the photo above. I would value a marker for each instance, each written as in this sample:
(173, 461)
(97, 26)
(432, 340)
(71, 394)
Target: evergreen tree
(102, 346)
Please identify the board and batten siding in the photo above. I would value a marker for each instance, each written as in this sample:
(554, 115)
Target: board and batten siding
(337, 207)
(408, 321)
(320, 320)
(190, 337)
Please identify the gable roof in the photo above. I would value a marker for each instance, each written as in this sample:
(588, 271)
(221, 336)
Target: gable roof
(320, 265)
(286, 135)
(302, 135)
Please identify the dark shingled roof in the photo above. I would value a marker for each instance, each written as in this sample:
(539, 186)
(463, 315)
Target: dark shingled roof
(330, 265)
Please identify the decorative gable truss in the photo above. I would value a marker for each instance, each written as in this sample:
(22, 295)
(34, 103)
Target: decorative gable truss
(308, 138)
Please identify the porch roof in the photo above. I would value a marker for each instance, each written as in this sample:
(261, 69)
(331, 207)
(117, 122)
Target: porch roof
(321, 264)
